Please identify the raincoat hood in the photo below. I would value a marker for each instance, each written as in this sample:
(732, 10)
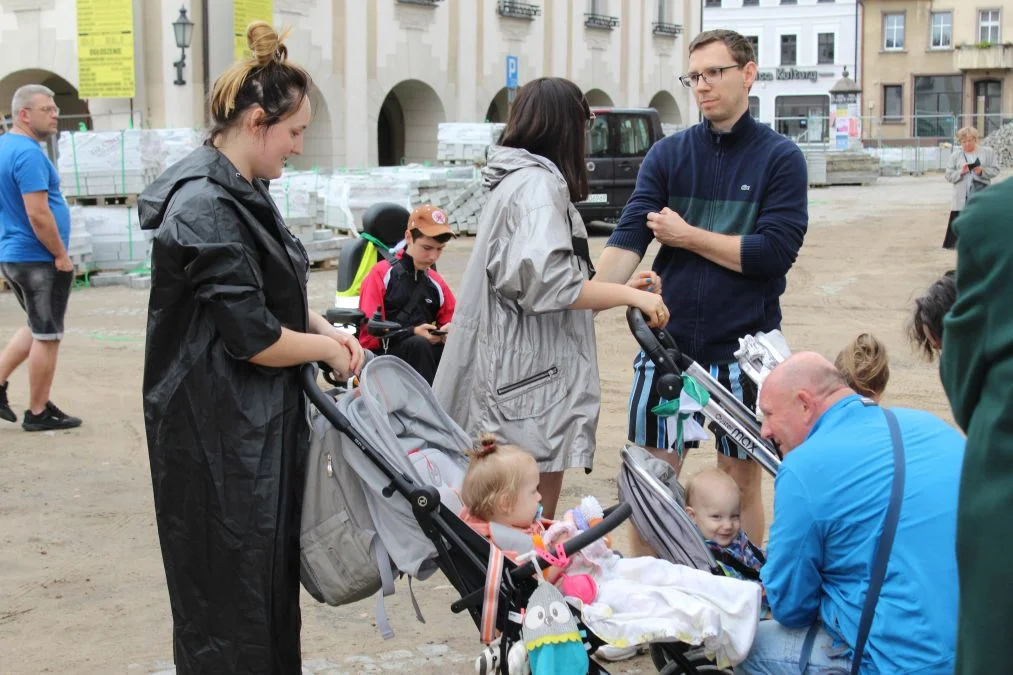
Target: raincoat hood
(203, 163)
(503, 161)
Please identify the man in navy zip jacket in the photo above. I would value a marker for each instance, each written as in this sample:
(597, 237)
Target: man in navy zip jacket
(726, 199)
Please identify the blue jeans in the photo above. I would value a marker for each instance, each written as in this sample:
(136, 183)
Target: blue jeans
(777, 651)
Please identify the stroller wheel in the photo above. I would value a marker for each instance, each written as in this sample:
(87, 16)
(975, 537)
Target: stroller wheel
(677, 658)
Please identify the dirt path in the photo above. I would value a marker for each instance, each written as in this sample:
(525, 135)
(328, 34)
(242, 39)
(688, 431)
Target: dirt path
(82, 583)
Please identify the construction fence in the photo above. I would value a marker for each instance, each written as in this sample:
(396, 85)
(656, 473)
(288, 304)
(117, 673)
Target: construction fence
(909, 145)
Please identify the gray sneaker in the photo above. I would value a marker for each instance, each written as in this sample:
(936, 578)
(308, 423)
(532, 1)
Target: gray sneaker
(5, 407)
(611, 653)
(50, 419)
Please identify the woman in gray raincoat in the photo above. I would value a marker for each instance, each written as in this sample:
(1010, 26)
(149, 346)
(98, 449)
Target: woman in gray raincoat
(228, 326)
(521, 361)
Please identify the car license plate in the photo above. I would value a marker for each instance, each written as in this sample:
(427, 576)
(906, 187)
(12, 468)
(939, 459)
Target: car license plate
(597, 198)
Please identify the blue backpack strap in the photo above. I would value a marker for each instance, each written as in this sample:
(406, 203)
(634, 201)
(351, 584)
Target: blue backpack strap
(883, 547)
(885, 544)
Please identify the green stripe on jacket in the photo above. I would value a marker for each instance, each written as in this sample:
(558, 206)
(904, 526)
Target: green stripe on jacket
(717, 215)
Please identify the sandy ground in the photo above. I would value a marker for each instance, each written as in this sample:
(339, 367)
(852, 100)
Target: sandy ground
(82, 587)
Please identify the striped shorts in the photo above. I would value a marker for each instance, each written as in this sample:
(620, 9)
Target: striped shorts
(647, 429)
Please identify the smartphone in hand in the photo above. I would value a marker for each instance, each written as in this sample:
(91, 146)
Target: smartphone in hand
(437, 331)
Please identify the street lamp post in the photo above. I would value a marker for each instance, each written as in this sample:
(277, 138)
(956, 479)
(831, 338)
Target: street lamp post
(182, 28)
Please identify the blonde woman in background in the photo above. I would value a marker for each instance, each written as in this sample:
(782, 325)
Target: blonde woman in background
(971, 168)
(228, 329)
(865, 366)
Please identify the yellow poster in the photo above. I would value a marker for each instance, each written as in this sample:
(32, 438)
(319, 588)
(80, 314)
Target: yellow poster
(105, 48)
(245, 11)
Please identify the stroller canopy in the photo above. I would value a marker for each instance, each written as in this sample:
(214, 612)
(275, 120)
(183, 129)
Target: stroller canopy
(396, 413)
(650, 486)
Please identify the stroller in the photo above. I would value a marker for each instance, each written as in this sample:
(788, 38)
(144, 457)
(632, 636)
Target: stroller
(392, 414)
(650, 487)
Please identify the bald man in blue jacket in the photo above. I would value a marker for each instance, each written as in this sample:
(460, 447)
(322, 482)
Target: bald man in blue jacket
(830, 500)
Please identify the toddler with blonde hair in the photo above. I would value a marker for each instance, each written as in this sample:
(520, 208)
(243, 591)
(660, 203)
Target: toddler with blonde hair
(625, 601)
(501, 485)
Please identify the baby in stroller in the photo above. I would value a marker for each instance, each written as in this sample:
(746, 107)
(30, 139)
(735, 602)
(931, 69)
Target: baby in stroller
(713, 502)
(624, 601)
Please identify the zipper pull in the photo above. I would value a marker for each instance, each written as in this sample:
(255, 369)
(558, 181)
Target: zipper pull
(330, 466)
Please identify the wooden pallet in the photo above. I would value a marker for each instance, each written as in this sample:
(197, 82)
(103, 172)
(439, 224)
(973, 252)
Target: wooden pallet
(324, 264)
(102, 200)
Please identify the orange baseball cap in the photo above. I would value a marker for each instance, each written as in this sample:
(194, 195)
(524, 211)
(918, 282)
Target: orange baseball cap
(430, 221)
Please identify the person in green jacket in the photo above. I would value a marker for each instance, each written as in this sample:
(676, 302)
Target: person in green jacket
(976, 367)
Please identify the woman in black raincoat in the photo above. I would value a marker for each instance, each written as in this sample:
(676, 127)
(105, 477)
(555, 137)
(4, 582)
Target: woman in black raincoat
(228, 326)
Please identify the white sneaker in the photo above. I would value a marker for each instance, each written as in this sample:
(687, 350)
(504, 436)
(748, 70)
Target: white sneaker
(613, 653)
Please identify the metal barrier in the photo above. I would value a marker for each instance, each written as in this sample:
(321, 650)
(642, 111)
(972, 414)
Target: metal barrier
(913, 144)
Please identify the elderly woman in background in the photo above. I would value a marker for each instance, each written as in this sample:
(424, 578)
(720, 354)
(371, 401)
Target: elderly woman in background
(971, 168)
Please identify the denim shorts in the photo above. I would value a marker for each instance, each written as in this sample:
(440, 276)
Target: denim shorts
(43, 292)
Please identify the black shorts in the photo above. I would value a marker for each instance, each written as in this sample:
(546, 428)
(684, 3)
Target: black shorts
(43, 292)
(647, 429)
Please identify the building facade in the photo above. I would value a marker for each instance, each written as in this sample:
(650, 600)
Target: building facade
(386, 72)
(935, 66)
(803, 48)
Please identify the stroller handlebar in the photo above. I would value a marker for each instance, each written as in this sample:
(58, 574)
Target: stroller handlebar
(614, 517)
(657, 343)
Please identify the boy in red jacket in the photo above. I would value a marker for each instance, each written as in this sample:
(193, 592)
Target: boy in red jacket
(412, 294)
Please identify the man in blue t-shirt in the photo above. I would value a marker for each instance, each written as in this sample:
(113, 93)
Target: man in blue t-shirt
(34, 235)
(831, 497)
(727, 201)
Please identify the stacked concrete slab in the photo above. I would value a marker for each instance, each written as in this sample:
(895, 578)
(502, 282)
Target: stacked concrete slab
(301, 198)
(321, 209)
(466, 207)
(119, 163)
(852, 168)
(80, 247)
(99, 168)
(102, 163)
(364, 191)
(466, 143)
(349, 194)
(117, 241)
(175, 144)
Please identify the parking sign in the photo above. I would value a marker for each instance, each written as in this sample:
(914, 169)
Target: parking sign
(511, 72)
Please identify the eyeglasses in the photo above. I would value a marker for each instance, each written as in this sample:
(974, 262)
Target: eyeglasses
(709, 76)
(49, 109)
(590, 121)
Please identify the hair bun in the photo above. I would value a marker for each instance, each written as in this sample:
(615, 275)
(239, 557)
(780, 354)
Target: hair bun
(486, 445)
(265, 44)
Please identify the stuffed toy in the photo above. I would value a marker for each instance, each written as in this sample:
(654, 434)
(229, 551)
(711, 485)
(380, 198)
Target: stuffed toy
(551, 635)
